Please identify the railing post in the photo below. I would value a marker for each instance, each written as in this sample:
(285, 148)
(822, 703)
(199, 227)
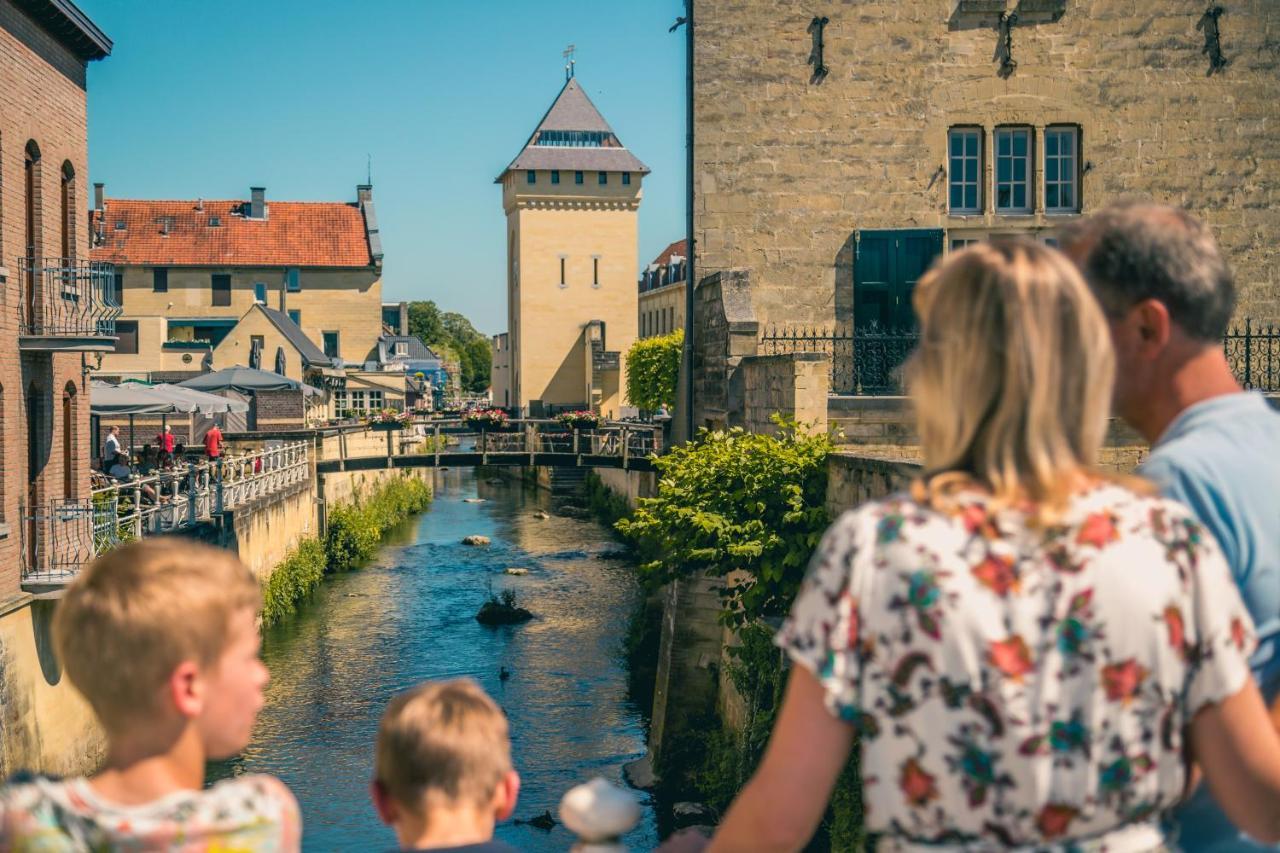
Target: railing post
(531, 439)
(1248, 353)
(191, 495)
(137, 510)
(626, 449)
(218, 496)
(435, 443)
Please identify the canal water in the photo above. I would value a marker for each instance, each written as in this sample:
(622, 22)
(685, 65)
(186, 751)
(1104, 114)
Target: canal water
(410, 616)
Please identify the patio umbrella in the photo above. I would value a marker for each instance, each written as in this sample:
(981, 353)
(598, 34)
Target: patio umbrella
(202, 402)
(246, 380)
(132, 399)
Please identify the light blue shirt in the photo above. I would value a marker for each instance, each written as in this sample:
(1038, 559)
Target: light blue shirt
(1221, 458)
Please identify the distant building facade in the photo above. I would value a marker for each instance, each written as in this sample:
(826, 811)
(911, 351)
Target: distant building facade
(500, 372)
(187, 272)
(837, 156)
(571, 198)
(662, 287)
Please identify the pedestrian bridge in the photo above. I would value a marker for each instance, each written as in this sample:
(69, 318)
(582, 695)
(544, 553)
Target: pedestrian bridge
(532, 442)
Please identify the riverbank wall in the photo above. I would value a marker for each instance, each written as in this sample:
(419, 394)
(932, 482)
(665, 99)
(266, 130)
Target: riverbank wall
(45, 725)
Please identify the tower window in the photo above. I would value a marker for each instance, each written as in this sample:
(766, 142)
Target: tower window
(577, 177)
(555, 176)
(595, 270)
(531, 177)
(602, 178)
(563, 283)
(626, 179)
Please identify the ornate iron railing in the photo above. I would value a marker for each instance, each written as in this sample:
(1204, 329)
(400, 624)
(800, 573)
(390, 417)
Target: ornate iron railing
(1254, 355)
(66, 298)
(58, 537)
(865, 360)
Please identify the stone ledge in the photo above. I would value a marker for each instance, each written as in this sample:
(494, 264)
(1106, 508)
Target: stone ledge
(17, 601)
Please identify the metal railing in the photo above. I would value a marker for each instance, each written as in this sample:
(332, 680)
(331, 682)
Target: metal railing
(1254, 355)
(867, 360)
(60, 537)
(66, 298)
(864, 360)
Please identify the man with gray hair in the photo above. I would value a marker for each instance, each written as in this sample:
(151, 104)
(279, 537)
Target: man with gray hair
(1168, 295)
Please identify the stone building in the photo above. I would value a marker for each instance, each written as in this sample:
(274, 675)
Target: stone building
(840, 147)
(55, 316)
(187, 272)
(571, 197)
(661, 288)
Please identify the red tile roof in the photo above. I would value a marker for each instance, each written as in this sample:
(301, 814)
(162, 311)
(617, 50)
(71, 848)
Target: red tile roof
(294, 234)
(679, 247)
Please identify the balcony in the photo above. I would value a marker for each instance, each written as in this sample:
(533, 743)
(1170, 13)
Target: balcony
(66, 305)
(57, 539)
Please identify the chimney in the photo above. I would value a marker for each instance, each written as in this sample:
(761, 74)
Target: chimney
(199, 204)
(258, 203)
(364, 193)
(99, 190)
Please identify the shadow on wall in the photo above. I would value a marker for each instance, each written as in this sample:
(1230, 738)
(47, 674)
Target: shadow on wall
(42, 634)
(844, 278)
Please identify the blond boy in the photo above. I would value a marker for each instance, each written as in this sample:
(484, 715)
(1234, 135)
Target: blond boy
(442, 770)
(160, 637)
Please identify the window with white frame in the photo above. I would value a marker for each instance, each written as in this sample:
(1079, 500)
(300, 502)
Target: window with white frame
(1061, 175)
(375, 401)
(358, 401)
(1013, 169)
(965, 149)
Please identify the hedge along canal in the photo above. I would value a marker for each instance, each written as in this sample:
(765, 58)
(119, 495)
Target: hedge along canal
(408, 615)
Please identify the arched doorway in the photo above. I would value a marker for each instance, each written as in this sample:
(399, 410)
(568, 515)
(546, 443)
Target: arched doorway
(67, 218)
(70, 438)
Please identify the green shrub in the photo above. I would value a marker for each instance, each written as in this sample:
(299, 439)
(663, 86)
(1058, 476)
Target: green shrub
(608, 506)
(653, 369)
(292, 581)
(355, 530)
(737, 501)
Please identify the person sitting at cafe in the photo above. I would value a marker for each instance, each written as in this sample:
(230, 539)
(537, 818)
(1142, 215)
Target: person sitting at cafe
(122, 473)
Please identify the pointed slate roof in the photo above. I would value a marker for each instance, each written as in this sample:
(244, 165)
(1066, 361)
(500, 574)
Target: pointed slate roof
(572, 110)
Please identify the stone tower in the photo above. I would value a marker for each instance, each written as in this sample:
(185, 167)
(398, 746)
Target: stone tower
(571, 197)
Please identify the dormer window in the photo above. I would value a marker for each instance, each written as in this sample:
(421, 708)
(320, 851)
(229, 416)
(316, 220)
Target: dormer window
(120, 226)
(215, 221)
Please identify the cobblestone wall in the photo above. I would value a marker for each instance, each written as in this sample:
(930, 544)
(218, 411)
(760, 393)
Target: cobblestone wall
(789, 167)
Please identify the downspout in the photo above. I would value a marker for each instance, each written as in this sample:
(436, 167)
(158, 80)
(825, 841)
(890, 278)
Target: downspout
(690, 277)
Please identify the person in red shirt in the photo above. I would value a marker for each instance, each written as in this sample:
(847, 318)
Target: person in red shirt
(164, 446)
(213, 442)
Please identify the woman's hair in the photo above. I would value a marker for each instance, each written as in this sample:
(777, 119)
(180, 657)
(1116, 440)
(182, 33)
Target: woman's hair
(1012, 377)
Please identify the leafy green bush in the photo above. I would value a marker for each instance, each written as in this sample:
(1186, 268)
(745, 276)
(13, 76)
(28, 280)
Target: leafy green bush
(606, 505)
(292, 580)
(653, 369)
(356, 529)
(737, 502)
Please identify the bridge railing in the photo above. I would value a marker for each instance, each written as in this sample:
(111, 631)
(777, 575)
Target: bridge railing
(623, 440)
(180, 497)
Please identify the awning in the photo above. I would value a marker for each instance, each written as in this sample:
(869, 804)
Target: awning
(246, 380)
(199, 401)
(131, 399)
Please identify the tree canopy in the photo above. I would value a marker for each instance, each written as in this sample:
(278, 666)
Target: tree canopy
(453, 338)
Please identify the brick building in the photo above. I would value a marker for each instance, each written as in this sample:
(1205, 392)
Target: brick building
(54, 302)
(840, 147)
(187, 272)
(55, 317)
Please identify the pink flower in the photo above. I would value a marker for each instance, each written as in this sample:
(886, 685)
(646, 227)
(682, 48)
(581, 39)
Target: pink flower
(917, 785)
(1121, 680)
(1098, 530)
(1011, 657)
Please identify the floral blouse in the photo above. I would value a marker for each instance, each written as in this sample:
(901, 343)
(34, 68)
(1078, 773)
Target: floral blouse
(1014, 684)
(246, 814)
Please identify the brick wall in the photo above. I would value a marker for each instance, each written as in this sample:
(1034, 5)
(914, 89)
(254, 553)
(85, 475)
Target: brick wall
(275, 409)
(787, 169)
(42, 98)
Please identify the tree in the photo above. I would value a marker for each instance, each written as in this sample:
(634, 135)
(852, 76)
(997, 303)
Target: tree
(653, 369)
(453, 338)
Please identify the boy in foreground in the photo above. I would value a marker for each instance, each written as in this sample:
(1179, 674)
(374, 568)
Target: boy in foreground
(442, 771)
(160, 638)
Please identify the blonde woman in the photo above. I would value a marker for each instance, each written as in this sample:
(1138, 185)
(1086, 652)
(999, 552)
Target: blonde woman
(1023, 647)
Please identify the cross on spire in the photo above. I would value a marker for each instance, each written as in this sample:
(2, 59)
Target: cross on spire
(567, 53)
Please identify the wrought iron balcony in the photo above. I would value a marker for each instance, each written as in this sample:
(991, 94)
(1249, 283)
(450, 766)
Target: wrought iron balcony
(57, 539)
(66, 304)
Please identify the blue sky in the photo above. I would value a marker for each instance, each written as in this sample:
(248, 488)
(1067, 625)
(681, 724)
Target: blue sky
(205, 99)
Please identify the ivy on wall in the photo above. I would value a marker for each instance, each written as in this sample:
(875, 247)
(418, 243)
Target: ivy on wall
(653, 369)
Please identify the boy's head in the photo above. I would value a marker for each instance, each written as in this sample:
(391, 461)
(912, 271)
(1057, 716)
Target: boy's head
(443, 746)
(161, 634)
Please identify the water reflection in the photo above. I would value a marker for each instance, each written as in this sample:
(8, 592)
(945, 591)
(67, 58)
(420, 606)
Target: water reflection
(410, 616)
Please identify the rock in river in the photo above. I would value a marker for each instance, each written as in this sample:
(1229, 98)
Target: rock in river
(541, 514)
(516, 572)
(499, 613)
(473, 500)
(475, 540)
